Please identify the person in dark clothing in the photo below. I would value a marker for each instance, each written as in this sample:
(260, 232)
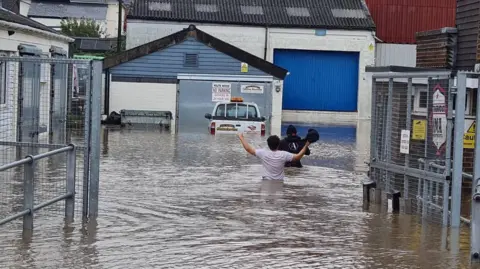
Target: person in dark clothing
(293, 144)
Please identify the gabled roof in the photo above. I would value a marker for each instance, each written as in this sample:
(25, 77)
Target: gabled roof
(329, 14)
(202, 37)
(6, 15)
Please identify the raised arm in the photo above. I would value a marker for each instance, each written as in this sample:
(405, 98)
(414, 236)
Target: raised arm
(299, 156)
(245, 145)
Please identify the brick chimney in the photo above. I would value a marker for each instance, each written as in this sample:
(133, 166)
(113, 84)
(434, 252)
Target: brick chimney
(437, 48)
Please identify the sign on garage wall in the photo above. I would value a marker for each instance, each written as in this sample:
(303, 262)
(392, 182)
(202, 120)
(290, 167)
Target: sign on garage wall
(251, 89)
(419, 129)
(469, 135)
(244, 68)
(221, 92)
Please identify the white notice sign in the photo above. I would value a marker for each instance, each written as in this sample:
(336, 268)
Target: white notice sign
(439, 117)
(221, 92)
(251, 89)
(405, 142)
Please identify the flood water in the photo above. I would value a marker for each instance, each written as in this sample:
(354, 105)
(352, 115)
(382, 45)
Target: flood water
(197, 201)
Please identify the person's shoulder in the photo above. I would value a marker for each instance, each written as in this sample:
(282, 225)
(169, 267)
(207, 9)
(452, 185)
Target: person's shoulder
(260, 151)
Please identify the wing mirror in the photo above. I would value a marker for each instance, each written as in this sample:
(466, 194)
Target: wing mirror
(262, 118)
(208, 116)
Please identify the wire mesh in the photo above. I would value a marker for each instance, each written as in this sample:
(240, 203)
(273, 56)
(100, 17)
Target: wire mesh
(44, 107)
(410, 131)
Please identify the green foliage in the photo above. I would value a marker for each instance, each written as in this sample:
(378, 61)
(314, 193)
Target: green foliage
(81, 28)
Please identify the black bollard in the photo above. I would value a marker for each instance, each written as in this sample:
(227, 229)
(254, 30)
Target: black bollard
(396, 201)
(367, 187)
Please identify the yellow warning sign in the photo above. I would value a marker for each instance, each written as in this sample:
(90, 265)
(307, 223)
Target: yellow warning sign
(371, 47)
(419, 129)
(244, 68)
(471, 129)
(469, 136)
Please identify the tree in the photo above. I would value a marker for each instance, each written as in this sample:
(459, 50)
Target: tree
(81, 28)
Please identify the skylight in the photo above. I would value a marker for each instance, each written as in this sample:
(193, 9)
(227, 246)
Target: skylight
(252, 10)
(298, 12)
(159, 6)
(206, 8)
(349, 13)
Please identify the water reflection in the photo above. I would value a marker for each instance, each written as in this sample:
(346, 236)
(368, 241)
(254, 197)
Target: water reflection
(197, 201)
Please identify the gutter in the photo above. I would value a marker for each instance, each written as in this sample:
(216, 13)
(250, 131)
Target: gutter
(266, 42)
(16, 26)
(376, 38)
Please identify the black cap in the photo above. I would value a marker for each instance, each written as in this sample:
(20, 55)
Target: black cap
(291, 130)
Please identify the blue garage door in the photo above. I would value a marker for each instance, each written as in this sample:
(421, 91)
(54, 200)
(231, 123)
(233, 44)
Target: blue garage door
(319, 80)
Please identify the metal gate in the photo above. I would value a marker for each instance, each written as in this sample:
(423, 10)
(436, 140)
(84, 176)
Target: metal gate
(194, 99)
(424, 146)
(411, 142)
(45, 124)
(28, 127)
(58, 99)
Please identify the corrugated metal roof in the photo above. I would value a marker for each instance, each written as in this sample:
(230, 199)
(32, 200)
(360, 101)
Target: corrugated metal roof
(396, 54)
(6, 15)
(351, 14)
(398, 20)
(56, 10)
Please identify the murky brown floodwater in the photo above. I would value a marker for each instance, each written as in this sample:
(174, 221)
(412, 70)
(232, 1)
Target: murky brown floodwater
(196, 201)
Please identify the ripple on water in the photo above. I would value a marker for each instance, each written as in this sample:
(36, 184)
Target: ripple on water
(194, 201)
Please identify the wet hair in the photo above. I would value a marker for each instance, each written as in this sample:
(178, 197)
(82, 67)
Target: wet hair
(291, 130)
(273, 142)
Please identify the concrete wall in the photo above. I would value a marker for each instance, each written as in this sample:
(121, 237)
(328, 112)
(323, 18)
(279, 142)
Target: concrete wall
(262, 42)
(143, 96)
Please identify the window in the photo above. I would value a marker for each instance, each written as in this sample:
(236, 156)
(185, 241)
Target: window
(246, 111)
(206, 8)
(252, 10)
(220, 111)
(422, 97)
(231, 110)
(420, 100)
(348, 13)
(242, 111)
(298, 12)
(159, 6)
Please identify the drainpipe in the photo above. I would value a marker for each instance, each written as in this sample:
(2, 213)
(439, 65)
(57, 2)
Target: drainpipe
(106, 100)
(266, 43)
(120, 26)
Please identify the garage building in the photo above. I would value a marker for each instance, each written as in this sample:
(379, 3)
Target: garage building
(30, 96)
(325, 45)
(178, 72)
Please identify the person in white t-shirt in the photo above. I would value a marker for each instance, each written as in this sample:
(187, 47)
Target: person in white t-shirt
(273, 160)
